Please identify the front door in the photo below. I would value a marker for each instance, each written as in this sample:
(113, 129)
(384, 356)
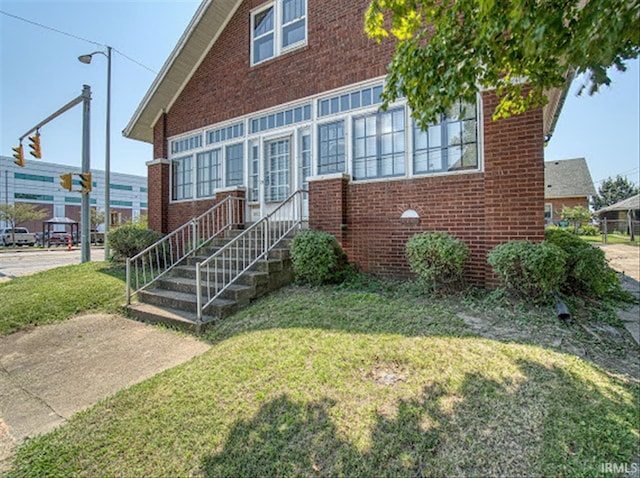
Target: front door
(277, 172)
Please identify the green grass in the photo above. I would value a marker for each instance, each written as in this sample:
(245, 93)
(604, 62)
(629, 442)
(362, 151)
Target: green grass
(331, 382)
(612, 239)
(60, 293)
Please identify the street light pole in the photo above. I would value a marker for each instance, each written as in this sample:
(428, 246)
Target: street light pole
(107, 160)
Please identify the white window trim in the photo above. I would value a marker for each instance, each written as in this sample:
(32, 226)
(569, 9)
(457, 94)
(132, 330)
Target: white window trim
(278, 27)
(313, 124)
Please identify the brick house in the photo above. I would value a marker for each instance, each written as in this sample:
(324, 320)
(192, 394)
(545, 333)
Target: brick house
(568, 183)
(262, 98)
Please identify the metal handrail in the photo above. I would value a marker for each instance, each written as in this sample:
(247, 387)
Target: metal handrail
(155, 261)
(223, 268)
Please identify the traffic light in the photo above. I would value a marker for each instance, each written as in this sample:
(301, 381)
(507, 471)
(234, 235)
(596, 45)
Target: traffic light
(35, 145)
(19, 155)
(66, 181)
(85, 181)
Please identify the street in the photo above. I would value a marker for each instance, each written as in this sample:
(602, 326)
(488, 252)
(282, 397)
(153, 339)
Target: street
(29, 261)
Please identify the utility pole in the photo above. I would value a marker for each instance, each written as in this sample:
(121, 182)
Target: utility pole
(86, 168)
(85, 99)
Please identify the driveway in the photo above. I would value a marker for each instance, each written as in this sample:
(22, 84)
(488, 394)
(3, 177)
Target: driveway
(624, 259)
(50, 372)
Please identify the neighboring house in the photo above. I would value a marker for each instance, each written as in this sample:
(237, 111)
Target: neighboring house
(623, 216)
(259, 99)
(568, 183)
(39, 183)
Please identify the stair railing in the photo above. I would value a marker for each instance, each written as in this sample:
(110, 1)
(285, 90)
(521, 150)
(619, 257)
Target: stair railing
(149, 265)
(217, 273)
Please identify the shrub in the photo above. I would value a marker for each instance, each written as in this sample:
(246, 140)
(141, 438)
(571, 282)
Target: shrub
(588, 231)
(587, 271)
(437, 259)
(318, 258)
(531, 271)
(129, 239)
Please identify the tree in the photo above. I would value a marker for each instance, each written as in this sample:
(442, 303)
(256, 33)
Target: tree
(576, 215)
(96, 218)
(450, 50)
(614, 190)
(19, 213)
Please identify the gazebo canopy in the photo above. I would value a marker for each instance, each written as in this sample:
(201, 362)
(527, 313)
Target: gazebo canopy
(60, 220)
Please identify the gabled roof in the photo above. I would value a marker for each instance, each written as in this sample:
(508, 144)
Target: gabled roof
(202, 32)
(567, 178)
(196, 41)
(629, 204)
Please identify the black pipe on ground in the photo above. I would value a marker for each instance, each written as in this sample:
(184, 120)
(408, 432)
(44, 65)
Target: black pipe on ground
(562, 311)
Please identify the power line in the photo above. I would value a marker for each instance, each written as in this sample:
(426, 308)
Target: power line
(135, 61)
(49, 28)
(46, 27)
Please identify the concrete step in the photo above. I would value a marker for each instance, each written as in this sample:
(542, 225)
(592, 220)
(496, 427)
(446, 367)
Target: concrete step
(186, 302)
(263, 265)
(239, 293)
(154, 314)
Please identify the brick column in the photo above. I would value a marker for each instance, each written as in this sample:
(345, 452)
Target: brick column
(514, 177)
(158, 192)
(328, 204)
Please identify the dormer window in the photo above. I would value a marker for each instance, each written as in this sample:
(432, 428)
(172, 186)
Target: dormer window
(277, 28)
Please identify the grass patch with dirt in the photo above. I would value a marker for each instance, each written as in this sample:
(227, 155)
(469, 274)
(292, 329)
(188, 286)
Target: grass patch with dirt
(60, 293)
(339, 382)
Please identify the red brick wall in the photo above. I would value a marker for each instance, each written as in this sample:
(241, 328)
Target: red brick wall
(514, 177)
(484, 209)
(558, 203)
(225, 86)
(158, 196)
(375, 236)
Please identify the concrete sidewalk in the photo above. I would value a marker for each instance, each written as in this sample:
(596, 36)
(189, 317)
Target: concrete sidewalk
(50, 372)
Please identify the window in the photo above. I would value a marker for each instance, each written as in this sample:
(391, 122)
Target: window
(33, 197)
(209, 174)
(449, 145)
(281, 118)
(33, 177)
(185, 144)
(234, 159)
(276, 28)
(293, 22)
(379, 145)
(277, 163)
(548, 211)
(331, 148)
(181, 175)
(225, 133)
(305, 159)
(350, 100)
(254, 172)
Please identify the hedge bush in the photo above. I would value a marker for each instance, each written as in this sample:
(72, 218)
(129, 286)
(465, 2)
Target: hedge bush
(129, 239)
(437, 259)
(531, 271)
(318, 258)
(587, 271)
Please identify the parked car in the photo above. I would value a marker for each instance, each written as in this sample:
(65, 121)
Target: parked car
(20, 235)
(54, 238)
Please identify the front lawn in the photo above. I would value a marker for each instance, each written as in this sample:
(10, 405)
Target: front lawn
(60, 293)
(336, 382)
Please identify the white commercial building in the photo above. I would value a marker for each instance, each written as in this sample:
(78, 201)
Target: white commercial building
(39, 183)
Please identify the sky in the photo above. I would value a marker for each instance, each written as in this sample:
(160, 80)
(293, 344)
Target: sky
(40, 72)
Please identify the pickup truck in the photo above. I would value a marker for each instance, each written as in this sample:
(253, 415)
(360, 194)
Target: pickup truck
(22, 237)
